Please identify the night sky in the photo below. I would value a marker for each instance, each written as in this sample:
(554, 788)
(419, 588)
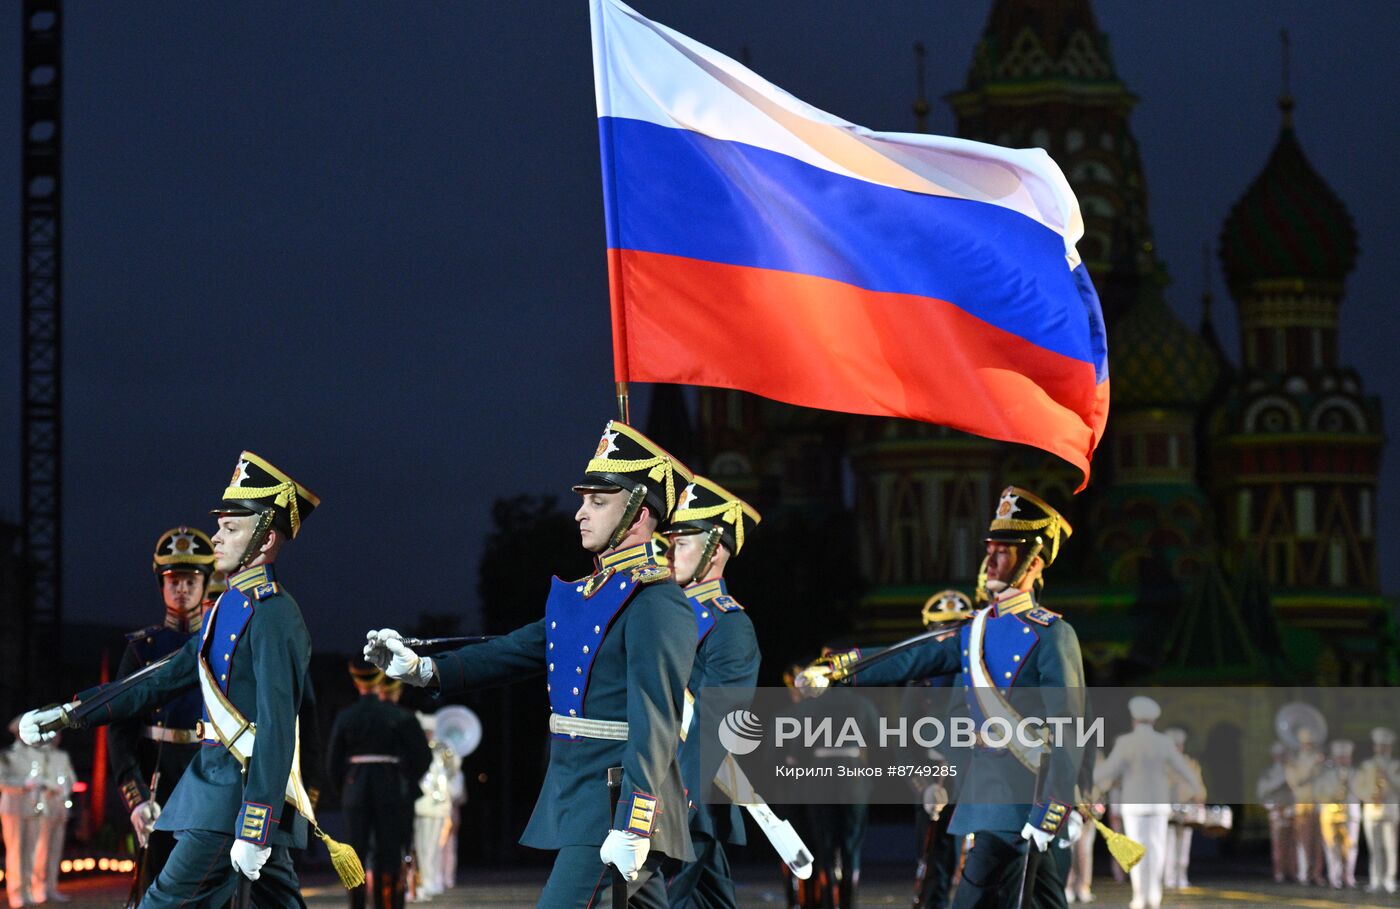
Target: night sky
(366, 242)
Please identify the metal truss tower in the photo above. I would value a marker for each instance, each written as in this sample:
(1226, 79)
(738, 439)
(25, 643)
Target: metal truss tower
(41, 417)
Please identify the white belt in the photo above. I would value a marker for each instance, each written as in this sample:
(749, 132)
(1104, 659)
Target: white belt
(589, 729)
(851, 752)
(173, 736)
(373, 759)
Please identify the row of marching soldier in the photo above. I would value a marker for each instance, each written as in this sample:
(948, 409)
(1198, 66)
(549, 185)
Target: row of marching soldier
(624, 651)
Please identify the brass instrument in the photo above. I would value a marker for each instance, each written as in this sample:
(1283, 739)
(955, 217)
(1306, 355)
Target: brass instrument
(1296, 716)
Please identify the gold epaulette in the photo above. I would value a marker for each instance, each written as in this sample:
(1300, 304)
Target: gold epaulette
(1042, 616)
(650, 574)
(725, 603)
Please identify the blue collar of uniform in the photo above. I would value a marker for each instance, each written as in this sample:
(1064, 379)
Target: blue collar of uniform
(249, 578)
(631, 557)
(1017, 603)
(707, 590)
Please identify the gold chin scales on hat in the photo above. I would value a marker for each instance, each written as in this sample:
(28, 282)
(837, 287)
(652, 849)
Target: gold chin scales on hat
(627, 461)
(706, 507)
(257, 488)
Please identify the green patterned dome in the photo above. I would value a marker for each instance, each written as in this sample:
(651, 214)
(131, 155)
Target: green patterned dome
(1156, 361)
(1288, 224)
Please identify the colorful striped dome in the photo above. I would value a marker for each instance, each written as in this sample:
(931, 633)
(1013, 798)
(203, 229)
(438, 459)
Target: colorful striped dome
(1156, 361)
(1288, 224)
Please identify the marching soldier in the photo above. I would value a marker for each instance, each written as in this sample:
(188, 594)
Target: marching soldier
(1277, 800)
(616, 649)
(1339, 814)
(1302, 771)
(838, 830)
(376, 755)
(1019, 644)
(1378, 782)
(157, 746)
(945, 612)
(1141, 760)
(707, 529)
(236, 810)
(1182, 791)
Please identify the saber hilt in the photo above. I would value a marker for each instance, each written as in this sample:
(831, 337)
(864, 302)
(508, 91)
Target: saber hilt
(844, 672)
(67, 719)
(432, 643)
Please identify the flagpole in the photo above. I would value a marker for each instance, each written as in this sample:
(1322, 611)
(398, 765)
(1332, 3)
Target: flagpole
(622, 403)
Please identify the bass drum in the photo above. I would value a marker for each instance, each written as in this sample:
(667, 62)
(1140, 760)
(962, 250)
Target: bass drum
(1219, 819)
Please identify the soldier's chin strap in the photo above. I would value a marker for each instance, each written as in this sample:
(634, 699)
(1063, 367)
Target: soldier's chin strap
(260, 531)
(1023, 564)
(707, 555)
(635, 498)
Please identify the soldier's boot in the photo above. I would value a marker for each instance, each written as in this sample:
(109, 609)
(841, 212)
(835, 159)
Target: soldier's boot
(357, 896)
(389, 889)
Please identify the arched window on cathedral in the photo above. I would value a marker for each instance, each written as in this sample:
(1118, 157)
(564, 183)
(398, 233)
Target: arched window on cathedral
(1337, 562)
(906, 534)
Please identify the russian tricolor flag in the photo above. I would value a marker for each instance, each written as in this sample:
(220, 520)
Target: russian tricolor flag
(757, 243)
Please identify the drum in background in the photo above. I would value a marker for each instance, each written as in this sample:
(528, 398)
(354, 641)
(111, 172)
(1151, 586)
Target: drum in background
(1219, 819)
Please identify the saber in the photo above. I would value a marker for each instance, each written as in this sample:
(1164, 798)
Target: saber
(845, 672)
(431, 643)
(785, 840)
(73, 717)
(1028, 867)
(619, 882)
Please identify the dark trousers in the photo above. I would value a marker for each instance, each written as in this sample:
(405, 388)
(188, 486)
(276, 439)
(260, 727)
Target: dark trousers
(1052, 875)
(199, 874)
(938, 859)
(992, 874)
(838, 833)
(580, 880)
(158, 848)
(705, 883)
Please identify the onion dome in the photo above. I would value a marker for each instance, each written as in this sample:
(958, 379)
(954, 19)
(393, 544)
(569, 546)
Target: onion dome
(1288, 224)
(1157, 361)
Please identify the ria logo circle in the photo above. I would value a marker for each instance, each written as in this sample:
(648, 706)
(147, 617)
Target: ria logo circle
(740, 732)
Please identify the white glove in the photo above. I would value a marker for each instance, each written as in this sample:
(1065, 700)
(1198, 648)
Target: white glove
(407, 665)
(626, 850)
(143, 819)
(29, 724)
(935, 799)
(248, 859)
(1041, 839)
(375, 651)
(1074, 826)
(813, 681)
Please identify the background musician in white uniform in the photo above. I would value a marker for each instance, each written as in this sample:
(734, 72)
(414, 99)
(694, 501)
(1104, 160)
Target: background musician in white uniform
(1378, 785)
(1274, 794)
(1339, 815)
(1302, 770)
(1140, 760)
(1183, 792)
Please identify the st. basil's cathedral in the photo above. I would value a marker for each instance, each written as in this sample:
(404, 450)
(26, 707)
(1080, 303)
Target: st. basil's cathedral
(1229, 533)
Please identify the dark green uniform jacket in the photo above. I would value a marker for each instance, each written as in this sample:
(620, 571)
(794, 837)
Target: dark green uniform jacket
(617, 646)
(727, 657)
(1024, 646)
(257, 646)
